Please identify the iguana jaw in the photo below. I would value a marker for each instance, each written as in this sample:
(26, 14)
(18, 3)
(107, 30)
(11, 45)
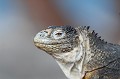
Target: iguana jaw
(53, 48)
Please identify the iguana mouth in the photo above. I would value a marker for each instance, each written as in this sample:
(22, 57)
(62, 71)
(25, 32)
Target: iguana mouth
(50, 43)
(47, 43)
(49, 48)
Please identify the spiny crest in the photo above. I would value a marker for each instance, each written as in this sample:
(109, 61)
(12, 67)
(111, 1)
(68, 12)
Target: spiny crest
(85, 28)
(95, 35)
(92, 33)
(69, 29)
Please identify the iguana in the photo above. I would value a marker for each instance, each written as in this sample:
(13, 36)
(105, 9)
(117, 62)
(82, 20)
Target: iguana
(80, 53)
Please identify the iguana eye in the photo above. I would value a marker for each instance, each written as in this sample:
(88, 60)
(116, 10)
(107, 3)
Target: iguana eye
(58, 34)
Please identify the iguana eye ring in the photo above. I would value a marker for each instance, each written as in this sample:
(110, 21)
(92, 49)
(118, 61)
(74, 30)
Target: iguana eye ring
(58, 34)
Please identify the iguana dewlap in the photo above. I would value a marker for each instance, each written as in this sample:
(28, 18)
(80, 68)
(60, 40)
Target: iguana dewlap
(80, 53)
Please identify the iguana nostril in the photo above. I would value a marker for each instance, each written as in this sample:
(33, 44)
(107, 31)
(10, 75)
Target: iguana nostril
(43, 33)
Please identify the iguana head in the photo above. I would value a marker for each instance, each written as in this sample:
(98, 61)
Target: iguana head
(68, 45)
(57, 39)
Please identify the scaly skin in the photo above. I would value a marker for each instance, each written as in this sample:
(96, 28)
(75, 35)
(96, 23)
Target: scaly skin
(80, 53)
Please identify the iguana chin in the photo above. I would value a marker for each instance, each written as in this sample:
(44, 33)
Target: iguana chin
(80, 53)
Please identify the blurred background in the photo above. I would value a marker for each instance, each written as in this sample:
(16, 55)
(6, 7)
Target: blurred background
(20, 20)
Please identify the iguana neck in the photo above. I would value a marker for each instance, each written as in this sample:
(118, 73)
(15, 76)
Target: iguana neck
(71, 63)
